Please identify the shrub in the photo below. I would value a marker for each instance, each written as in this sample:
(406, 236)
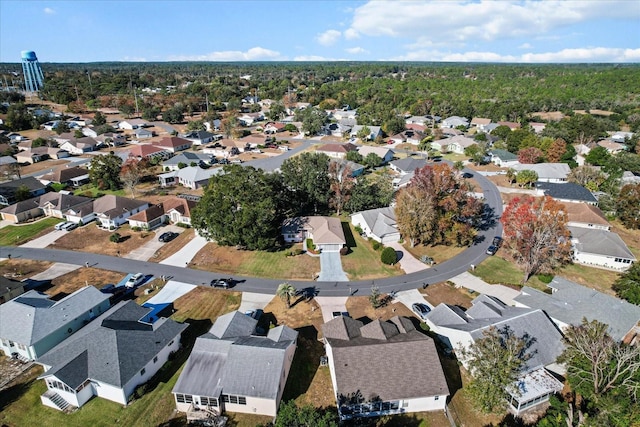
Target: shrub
(376, 245)
(310, 245)
(136, 228)
(183, 225)
(115, 238)
(344, 250)
(389, 256)
(358, 229)
(545, 278)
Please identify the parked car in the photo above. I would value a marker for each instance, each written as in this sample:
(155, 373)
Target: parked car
(222, 283)
(108, 289)
(134, 280)
(256, 314)
(61, 225)
(224, 162)
(495, 245)
(69, 226)
(168, 236)
(420, 309)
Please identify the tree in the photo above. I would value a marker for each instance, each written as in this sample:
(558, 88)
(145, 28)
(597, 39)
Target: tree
(536, 235)
(495, 362)
(285, 292)
(556, 150)
(18, 118)
(115, 238)
(369, 194)
(511, 175)
(627, 285)
(437, 207)
(364, 133)
(104, 171)
(291, 415)
(151, 113)
(22, 193)
(99, 119)
(131, 172)
(341, 184)
(394, 126)
(628, 206)
(312, 120)
(354, 156)
(587, 176)
(244, 206)
(530, 155)
(307, 177)
(276, 111)
(228, 125)
(62, 127)
(127, 109)
(173, 115)
(525, 178)
(598, 156)
(597, 365)
(372, 160)
(196, 125)
(477, 153)
(374, 297)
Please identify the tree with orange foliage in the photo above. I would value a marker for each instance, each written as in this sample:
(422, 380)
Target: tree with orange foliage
(437, 207)
(556, 150)
(131, 172)
(535, 232)
(530, 155)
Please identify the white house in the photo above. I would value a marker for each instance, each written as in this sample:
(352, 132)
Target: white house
(503, 158)
(547, 172)
(233, 369)
(458, 143)
(326, 232)
(374, 131)
(454, 122)
(32, 324)
(192, 177)
(178, 210)
(384, 153)
(112, 211)
(108, 358)
(80, 145)
(586, 216)
(378, 224)
(359, 354)
(600, 248)
(480, 123)
(132, 124)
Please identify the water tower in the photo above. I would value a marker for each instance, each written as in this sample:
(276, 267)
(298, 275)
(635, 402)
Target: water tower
(33, 78)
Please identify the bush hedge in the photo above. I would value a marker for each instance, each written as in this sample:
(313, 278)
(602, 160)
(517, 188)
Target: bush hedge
(388, 256)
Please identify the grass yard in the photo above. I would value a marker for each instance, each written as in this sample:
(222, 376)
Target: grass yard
(439, 253)
(363, 262)
(68, 283)
(445, 293)
(16, 235)
(90, 238)
(20, 269)
(89, 190)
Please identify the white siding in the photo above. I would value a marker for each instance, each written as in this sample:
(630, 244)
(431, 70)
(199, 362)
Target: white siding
(600, 261)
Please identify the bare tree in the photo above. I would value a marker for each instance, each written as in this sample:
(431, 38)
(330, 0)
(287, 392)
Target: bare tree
(341, 183)
(131, 173)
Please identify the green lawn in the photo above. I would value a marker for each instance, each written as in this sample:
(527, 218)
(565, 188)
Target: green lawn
(90, 190)
(15, 235)
(277, 265)
(363, 262)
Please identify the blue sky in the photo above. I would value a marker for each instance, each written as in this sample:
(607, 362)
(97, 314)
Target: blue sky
(261, 30)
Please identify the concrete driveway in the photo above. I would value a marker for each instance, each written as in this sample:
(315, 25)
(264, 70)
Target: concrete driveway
(409, 297)
(146, 251)
(170, 292)
(331, 268)
(469, 281)
(46, 240)
(56, 270)
(329, 305)
(254, 301)
(186, 254)
(407, 261)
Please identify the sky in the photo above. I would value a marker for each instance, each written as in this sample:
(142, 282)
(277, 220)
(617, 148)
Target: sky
(541, 31)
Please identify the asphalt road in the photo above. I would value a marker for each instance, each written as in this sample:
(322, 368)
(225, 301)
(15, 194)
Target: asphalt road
(440, 272)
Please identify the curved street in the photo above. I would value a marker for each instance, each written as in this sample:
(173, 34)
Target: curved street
(474, 255)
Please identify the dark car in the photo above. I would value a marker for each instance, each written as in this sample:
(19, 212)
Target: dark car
(495, 245)
(420, 309)
(108, 289)
(167, 237)
(222, 283)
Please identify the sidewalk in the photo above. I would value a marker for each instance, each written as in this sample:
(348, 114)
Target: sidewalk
(469, 281)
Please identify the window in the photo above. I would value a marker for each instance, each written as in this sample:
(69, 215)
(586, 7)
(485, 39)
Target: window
(155, 359)
(237, 400)
(209, 401)
(184, 398)
(436, 398)
(142, 372)
(170, 343)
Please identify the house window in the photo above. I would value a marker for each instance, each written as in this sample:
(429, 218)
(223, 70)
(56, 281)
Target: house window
(170, 343)
(184, 398)
(237, 400)
(143, 371)
(155, 359)
(209, 401)
(436, 398)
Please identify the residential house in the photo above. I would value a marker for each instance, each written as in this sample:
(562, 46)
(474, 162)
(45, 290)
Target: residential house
(326, 232)
(249, 119)
(378, 224)
(628, 177)
(600, 248)
(39, 154)
(80, 145)
(359, 354)
(537, 127)
(547, 172)
(148, 219)
(33, 323)
(173, 144)
(112, 211)
(417, 120)
(141, 134)
(188, 158)
(109, 357)
(458, 143)
(178, 210)
(344, 114)
(621, 137)
(336, 151)
(58, 204)
(193, 177)
(408, 136)
(356, 168)
(132, 124)
(73, 176)
(569, 192)
(611, 146)
(233, 369)
(374, 132)
(510, 125)
(272, 128)
(384, 153)
(91, 133)
(459, 329)
(503, 158)
(199, 137)
(454, 122)
(148, 151)
(253, 141)
(8, 189)
(416, 127)
(64, 137)
(22, 211)
(111, 139)
(6, 160)
(407, 165)
(568, 303)
(337, 129)
(9, 289)
(585, 216)
(480, 123)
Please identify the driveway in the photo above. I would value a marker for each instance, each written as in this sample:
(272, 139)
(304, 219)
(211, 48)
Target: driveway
(469, 281)
(56, 270)
(254, 301)
(186, 254)
(407, 261)
(409, 297)
(331, 268)
(46, 240)
(329, 305)
(146, 251)
(170, 292)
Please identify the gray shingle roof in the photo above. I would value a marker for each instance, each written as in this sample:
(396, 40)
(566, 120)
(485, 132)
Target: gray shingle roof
(566, 191)
(186, 157)
(360, 360)
(233, 325)
(33, 316)
(246, 365)
(546, 170)
(503, 155)
(570, 302)
(409, 164)
(113, 348)
(600, 242)
(380, 221)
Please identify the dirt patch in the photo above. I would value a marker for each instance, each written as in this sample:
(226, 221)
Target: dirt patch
(205, 304)
(92, 239)
(23, 268)
(446, 293)
(69, 283)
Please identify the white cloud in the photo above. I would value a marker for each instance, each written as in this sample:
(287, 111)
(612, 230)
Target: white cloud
(316, 58)
(329, 37)
(49, 11)
(525, 46)
(134, 59)
(351, 34)
(596, 54)
(356, 50)
(471, 21)
(253, 54)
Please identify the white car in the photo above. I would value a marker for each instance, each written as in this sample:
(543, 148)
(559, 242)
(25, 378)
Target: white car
(61, 225)
(135, 280)
(69, 226)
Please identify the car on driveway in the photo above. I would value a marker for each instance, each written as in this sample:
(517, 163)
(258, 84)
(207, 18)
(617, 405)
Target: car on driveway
(167, 237)
(135, 280)
(420, 309)
(495, 245)
(222, 283)
(69, 226)
(61, 225)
